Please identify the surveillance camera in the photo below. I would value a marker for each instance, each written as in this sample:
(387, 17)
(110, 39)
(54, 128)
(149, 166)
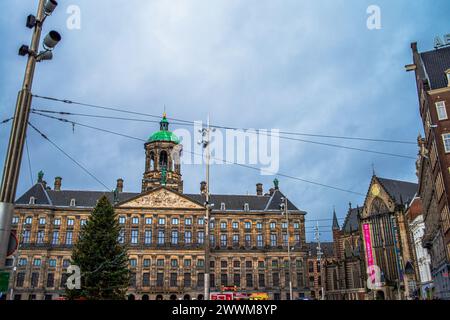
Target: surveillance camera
(31, 21)
(51, 40)
(24, 50)
(50, 6)
(44, 55)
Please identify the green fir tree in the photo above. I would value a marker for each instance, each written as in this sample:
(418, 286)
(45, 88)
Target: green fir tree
(103, 261)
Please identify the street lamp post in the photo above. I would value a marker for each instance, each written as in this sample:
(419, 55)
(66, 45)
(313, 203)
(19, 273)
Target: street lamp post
(284, 208)
(20, 122)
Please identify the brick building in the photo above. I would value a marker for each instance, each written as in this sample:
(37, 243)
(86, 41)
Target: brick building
(165, 232)
(432, 75)
(316, 274)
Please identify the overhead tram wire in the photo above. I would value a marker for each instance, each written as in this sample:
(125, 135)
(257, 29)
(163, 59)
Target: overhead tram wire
(68, 156)
(6, 120)
(197, 154)
(39, 111)
(66, 101)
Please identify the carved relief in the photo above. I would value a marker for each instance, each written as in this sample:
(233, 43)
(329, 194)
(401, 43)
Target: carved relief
(162, 198)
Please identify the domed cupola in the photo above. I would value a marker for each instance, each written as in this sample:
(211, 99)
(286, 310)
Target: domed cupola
(162, 160)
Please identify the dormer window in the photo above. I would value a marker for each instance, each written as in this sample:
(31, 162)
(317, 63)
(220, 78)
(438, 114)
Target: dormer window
(222, 206)
(32, 201)
(246, 207)
(73, 203)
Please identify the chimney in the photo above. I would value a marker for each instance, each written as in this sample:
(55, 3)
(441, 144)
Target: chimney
(203, 187)
(259, 189)
(58, 181)
(119, 185)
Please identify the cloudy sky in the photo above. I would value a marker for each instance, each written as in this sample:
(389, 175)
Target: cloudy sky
(301, 66)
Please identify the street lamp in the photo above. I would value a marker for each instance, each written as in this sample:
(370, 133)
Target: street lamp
(20, 122)
(285, 211)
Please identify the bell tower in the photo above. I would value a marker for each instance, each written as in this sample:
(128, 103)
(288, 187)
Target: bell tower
(162, 160)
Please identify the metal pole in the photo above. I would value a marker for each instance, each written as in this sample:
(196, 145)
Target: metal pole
(289, 248)
(319, 260)
(207, 242)
(16, 259)
(13, 160)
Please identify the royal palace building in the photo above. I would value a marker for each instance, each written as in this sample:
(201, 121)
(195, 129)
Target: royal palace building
(164, 230)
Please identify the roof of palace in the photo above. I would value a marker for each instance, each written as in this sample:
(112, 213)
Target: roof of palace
(351, 221)
(436, 62)
(88, 199)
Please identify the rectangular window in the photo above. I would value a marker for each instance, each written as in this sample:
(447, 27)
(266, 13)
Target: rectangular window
(276, 280)
(296, 225)
(133, 263)
(223, 225)
(52, 263)
(174, 237)
(40, 237)
(135, 220)
(26, 236)
(15, 220)
(160, 279)
(23, 262)
(201, 237)
(273, 225)
(273, 240)
(212, 280)
(441, 110)
(236, 264)
(300, 280)
(297, 239)
(188, 221)
(175, 221)
(66, 263)
(161, 221)
(188, 237)
(146, 263)
(187, 263)
(42, 221)
(161, 237)
(261, 264)
(284, 225)
(223, 264)
(235, 225)
(134, 236)
(57, 222)
(37, 262)
(235, 240)
(122, 220)
(173, 280)
(237, 280)
(285, 239)
(223, 240)
(249, 280)
(148, 221)
(146, 279)
(261, 280)
(224, 279)
(133, 279)
(187, 280)
(201, 221)
(70, 222)
(160, 262)
(212, 240)
(248, 225)
(174, 263)
(63, 283)
(50, 280)
(148, 237)
(248, 264)
(122, 236)
(259, 225)
(55, 238)
(83, 222)
(69, 238)
(20, 279)
(446, 139)
(259, 241)
(200, 280)
(29, 220)
(248, 240)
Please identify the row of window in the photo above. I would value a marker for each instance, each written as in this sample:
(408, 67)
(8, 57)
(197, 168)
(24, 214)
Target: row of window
(174, 280)
(55, 239)
(37, 262)
(42, 221)
(224, 239)
(174, 263)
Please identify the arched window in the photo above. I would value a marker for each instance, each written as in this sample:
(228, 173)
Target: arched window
(378, 206)
(152, 161)
(347, 249)
(163, 159)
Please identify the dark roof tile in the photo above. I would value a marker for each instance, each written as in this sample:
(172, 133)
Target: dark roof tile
(436, 62)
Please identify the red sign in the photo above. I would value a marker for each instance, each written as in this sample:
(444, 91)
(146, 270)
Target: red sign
(224, 296)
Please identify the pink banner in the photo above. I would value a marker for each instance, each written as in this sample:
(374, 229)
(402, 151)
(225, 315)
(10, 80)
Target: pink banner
(369, 253)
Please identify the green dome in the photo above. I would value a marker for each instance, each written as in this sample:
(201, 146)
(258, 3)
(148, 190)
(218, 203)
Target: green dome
(164, 134)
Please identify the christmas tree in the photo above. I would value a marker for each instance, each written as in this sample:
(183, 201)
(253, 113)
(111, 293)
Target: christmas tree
(103, 261)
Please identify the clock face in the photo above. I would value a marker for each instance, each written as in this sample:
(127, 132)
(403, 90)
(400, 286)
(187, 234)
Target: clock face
(376, 190)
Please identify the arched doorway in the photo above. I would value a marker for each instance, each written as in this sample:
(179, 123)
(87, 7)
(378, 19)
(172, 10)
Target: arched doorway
(159, 297)
(200, 297)
(131, 297)
(187, 297)
(173, 297)
(145, 297)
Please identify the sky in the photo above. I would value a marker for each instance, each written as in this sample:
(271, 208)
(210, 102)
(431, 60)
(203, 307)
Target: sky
(300, 66)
